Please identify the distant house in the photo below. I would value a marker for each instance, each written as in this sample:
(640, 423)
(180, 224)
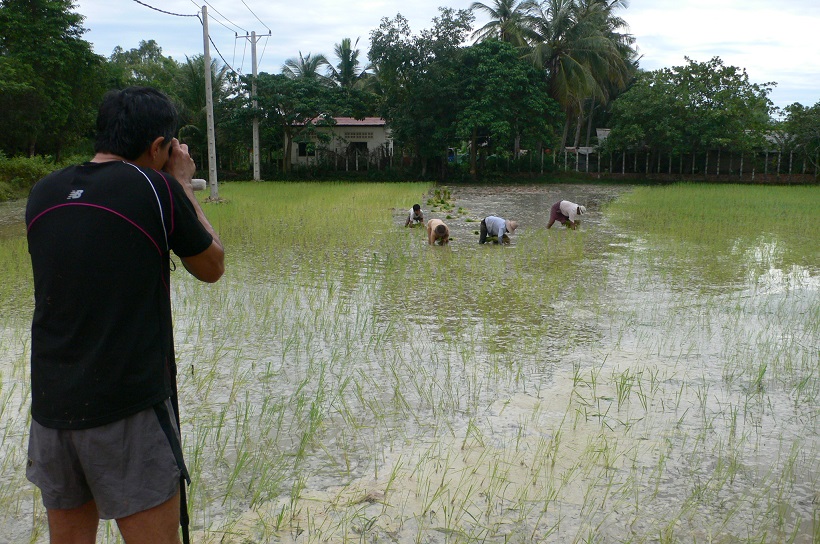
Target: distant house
(364, 140)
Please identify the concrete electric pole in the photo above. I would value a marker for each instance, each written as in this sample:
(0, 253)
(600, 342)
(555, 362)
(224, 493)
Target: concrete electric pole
(209, 107)
(254, 39)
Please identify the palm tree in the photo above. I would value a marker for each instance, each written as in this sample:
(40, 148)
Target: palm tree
(578, 45)
(613, 71)
(506, 20)
(190, 101)
(307, 66)
(348, 72)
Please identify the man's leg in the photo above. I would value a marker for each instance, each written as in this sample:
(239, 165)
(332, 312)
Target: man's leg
(157, 525)
(73, 526)
(482, 236)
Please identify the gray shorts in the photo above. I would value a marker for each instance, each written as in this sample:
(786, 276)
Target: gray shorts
(126, 466)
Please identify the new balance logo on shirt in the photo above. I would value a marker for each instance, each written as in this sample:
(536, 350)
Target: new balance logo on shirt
(75, 194)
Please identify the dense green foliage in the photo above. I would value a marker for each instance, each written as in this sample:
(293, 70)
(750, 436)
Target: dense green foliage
(50, 82)
(415, 68)
(698, 106)
(541, 73)
(503, 98)
(801, 131)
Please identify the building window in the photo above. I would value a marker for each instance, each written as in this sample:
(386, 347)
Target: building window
(307, 149)
(358, 135)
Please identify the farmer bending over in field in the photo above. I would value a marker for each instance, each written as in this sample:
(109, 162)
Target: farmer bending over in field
(566, 213)
(415, 217)
(437, 231)
(496, 226)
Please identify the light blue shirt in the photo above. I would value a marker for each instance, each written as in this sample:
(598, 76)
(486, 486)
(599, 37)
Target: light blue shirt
(496, 226)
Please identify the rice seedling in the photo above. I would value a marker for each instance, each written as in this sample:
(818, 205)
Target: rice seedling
(346, 382)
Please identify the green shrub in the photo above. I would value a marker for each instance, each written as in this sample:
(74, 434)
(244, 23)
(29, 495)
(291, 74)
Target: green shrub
(21, 173)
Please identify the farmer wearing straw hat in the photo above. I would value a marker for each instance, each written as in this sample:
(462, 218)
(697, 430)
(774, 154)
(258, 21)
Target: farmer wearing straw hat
(566, 213)
(104, 438)
(496, 226)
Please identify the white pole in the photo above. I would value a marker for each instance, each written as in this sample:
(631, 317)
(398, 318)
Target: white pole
(209, 107)
(256, 175)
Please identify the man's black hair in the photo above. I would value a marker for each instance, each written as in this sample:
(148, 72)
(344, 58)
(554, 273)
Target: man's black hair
(131, 118)
(416, 207)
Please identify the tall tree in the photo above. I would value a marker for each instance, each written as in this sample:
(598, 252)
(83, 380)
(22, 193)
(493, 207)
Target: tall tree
(578, 45)
(348, 72)
(802, 125)
(502, 94)
(296, 105)
(507, 20)
(143, 65)
(690, 108)
(41, 40)
(419, 79)
(306, 67)
(190, 99)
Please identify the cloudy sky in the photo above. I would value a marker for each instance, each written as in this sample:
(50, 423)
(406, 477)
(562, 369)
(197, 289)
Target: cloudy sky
(774, 41)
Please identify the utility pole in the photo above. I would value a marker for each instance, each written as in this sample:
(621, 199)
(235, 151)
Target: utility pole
(254, 39)
(209, 108)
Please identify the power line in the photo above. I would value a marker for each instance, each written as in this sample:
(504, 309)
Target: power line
(257, 18)
(244, 52)
(198, 16)
(218, 52)
(223, 16)
(163, 11)
(216, 19)
(264, 47)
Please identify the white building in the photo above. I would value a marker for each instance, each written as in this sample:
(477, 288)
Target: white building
(363, 140)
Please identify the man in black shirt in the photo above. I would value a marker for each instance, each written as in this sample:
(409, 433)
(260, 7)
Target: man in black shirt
(104, 442)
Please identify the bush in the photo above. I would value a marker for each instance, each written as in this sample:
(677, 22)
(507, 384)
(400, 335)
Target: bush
(19, 174)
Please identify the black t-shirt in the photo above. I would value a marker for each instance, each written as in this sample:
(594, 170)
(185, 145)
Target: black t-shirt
(99, 236)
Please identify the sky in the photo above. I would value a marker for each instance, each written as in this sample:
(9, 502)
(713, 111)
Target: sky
(775, 41)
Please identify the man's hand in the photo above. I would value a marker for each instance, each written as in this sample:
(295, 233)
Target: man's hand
(180, 164)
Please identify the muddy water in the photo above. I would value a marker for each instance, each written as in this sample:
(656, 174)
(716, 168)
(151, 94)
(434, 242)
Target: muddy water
(629, 403)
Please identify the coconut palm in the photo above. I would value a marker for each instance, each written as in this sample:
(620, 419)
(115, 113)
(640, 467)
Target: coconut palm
(190, 100)
(506, 20)
(611, 72)
(348, 73)
(578, 45)
(307, 66)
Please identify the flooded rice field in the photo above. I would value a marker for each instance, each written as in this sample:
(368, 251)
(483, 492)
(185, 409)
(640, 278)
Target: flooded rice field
(598, 385)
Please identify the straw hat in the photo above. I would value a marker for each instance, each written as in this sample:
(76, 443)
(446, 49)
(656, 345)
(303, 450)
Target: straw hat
(511, 225)
(582, 210)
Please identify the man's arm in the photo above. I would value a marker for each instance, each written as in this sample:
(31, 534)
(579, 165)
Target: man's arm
(209, 265)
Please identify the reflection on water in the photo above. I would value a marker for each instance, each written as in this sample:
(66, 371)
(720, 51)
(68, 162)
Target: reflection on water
(569, 387)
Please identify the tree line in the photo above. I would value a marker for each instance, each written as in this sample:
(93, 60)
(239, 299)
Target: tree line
(539, 76)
